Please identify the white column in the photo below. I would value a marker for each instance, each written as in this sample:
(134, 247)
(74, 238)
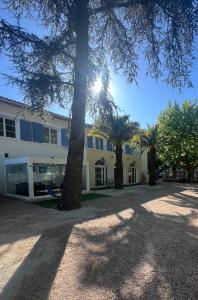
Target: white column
(4, 180)
(105, 144)
(87, 176)
(30, 181)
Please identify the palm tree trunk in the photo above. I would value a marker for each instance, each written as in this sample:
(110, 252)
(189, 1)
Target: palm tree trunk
(73, 174)
(152, 166)
(118, 168)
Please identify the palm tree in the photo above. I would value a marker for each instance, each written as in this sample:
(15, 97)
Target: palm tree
(148, 140)
(117, 129)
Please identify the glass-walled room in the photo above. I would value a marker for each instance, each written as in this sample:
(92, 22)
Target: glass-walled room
(35, 178)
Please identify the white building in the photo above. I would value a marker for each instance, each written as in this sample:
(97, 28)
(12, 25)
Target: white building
(33, 153)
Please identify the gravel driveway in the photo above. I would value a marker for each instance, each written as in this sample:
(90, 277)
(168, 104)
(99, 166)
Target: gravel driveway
(141, 243)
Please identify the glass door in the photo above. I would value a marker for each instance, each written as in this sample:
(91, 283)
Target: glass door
(100, 175)
(132, 175)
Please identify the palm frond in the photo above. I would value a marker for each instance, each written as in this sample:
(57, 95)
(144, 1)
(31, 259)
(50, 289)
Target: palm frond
(118, 129)
(97, 133)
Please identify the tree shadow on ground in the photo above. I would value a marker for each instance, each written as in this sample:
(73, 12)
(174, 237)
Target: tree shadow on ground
(149, 256)
(183, 200)
(146, 256)
(35, 276)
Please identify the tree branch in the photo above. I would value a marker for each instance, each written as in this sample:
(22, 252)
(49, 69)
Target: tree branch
(113, 5)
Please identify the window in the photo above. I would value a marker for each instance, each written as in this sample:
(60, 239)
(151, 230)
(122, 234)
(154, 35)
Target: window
(109, 146)
(7, 127)
(89, 141)
(53, 136)
(1, 127)
(10, 128)
(99, 143)
(46, 135)
(100, 173)
(49, 135)
(132, 173)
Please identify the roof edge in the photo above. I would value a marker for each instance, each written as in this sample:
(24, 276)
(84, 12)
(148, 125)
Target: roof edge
(23, 105)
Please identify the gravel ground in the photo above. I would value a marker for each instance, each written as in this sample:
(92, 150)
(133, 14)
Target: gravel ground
(141, 243)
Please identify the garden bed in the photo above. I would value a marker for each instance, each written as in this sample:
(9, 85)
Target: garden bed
(52, 203)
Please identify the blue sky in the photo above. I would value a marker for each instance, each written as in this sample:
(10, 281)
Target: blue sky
(143, 101)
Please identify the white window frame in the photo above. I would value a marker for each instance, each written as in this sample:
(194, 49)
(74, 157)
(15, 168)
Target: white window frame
(50, 138)
(133, 170)
(101, 141)
(4, 127)
(103, 175)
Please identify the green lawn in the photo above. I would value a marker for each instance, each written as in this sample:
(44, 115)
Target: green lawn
(51, 203)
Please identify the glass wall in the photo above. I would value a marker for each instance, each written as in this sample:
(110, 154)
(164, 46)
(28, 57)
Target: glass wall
(47, 177)
(17, 179)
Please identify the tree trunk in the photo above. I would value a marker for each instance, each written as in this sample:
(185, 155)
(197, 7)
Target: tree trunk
(118, 168)
(190, 175)
(73, 175)
(152, 166)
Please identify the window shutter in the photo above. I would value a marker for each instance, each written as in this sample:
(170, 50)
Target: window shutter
(89, 141)
(64, 137)
(97, 143)
(25, 130)
(37, 132)
(109, 146)
(101, 144)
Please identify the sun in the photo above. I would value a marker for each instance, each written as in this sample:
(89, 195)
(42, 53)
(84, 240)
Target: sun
(97, 86)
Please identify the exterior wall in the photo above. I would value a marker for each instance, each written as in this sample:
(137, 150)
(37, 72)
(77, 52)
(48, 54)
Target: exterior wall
(93, 155)
(19, 112)
(16, 148)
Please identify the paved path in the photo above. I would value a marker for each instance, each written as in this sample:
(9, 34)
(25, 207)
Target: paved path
(141, 243)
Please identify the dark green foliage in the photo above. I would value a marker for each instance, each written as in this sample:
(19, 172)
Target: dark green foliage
(178, 135)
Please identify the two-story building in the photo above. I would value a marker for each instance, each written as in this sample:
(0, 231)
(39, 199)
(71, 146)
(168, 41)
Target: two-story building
(33, 153)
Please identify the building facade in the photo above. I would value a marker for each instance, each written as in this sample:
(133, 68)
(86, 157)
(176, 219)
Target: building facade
(33, 153)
